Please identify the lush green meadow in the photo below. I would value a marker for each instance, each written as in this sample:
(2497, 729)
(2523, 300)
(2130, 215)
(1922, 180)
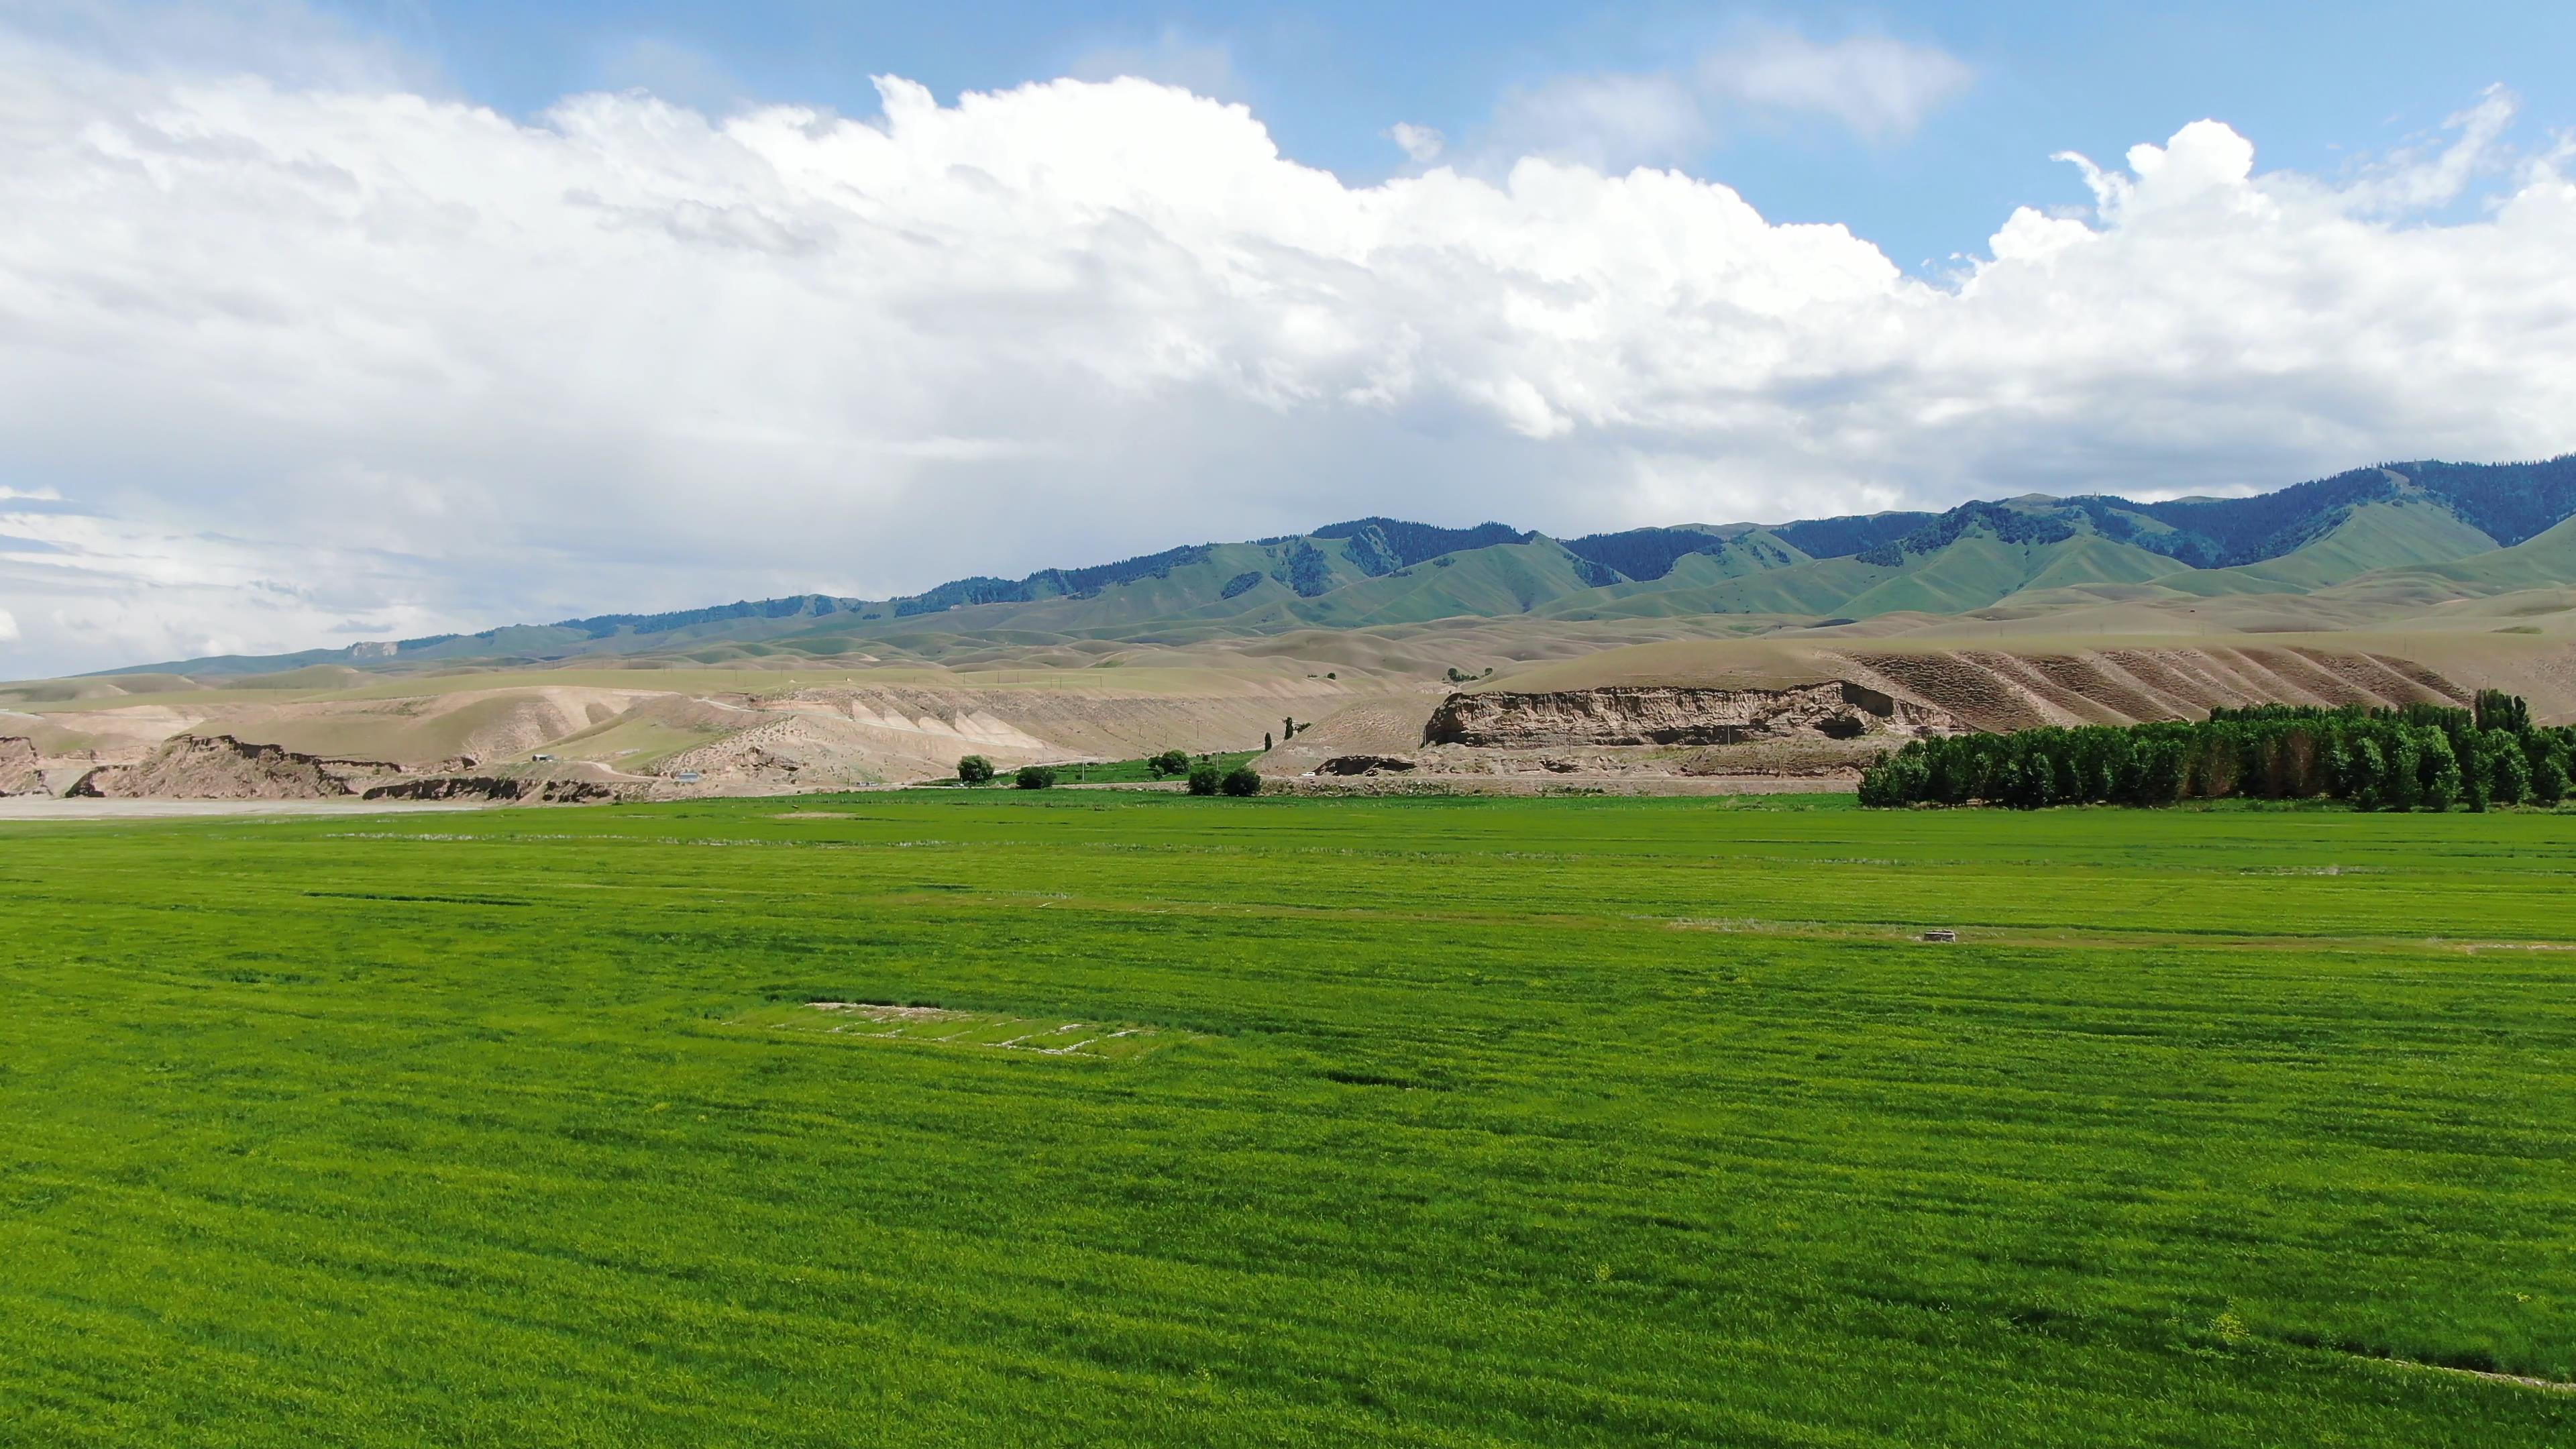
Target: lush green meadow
(1439, 1122)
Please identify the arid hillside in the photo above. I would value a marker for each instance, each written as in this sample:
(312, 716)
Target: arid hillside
(1774, 708)
(2007, 681)
(649, 733)
(713, 733)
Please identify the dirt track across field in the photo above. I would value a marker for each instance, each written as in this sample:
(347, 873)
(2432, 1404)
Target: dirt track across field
(1637, 784)
(40, 807)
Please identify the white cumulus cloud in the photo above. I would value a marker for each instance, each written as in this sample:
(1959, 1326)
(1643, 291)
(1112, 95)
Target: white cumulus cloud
(1609, 122)
(304, 357)
(1174, 58)
(1420, 144)
(1876, 85)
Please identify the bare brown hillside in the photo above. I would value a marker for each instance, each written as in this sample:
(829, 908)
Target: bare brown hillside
(1778, 707)
(650, 733)
(279, 743)
(2040, 681)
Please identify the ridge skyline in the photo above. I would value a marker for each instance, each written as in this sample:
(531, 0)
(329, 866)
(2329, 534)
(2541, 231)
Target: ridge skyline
(1350, 574)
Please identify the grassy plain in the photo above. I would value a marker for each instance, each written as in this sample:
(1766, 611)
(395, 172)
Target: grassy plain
(1464, 1121)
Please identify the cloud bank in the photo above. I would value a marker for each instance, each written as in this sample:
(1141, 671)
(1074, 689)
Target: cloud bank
(285, 364)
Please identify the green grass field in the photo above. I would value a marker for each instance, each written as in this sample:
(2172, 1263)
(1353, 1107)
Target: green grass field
(1427, 1121)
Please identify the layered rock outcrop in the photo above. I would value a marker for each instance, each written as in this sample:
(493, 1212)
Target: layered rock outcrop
(556, 791)
(1662, 715)
(220, 767)
(1364, 765)
(21, 768)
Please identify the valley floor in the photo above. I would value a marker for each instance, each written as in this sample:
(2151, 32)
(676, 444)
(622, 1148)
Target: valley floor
(47, 807)
(1130, 1117)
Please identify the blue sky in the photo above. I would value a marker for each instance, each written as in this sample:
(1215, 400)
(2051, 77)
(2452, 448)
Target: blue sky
(2314, 85)
(335, 320)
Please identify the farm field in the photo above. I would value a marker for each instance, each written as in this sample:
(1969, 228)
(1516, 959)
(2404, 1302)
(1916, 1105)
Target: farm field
(1136, 1118)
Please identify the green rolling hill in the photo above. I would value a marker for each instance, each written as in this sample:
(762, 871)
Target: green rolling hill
(2413, 531)
(2397, 533)
(2544, 561)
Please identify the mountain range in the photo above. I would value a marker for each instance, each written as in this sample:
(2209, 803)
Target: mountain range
(2422, 531)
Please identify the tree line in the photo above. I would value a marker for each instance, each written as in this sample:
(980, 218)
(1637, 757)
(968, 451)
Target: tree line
(2418, 757)
(1204, 776)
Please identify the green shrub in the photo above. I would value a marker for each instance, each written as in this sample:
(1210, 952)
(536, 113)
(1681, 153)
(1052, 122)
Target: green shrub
(1036, 777)
(1169, 763)
(1241, 780)
(1205, 777)
(974, 770)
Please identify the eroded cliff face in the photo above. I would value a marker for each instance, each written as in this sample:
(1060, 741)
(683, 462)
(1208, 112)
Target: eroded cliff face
(21, 768)
(220, 767)
(1658, 715)
(556, 791)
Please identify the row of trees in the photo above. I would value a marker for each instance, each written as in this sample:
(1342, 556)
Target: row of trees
(2420, 757)
(1204, 777)
(976, 770)
(1207, 779)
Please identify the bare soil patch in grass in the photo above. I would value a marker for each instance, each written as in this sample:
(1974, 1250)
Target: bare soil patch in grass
(1054, 1036)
